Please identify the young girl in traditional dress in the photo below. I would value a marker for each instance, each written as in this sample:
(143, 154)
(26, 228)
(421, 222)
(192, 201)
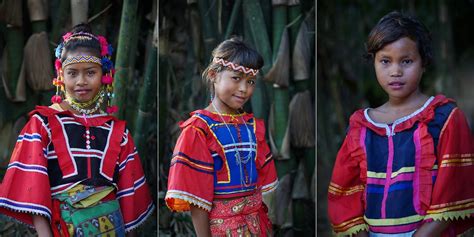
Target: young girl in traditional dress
(405, 168)
(221, 163)
(75, 170)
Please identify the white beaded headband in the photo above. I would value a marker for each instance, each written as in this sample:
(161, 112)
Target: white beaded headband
(235, 67)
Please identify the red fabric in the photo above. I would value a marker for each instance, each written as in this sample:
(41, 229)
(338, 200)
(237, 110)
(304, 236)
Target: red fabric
(58, 221)
(33, 188)
(452, 188)
(346, 201)
(135, 206)
(193, 174)
(66, 162)
(109, 161)
(25, 187)
(267, 175)
(231, 215)
(191, 178)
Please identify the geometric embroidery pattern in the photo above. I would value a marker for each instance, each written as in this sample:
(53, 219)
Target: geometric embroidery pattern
(235, 67)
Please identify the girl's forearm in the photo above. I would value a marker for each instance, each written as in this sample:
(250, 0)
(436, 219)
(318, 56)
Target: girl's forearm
(42, 226)
(200, 221)
(432, 229)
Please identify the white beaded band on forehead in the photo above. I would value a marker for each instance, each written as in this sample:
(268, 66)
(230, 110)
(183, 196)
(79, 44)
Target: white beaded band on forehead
(235, 67)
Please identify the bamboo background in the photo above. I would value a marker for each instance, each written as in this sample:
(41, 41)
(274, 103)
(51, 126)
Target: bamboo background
(30, 31)
(346, 82)
(283, 32)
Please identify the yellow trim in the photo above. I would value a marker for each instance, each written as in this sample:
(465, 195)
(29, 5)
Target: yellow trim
(381, 175)
(224, 124)
(198, 130)
(446, 123)
(194, 164)
(230, 115)
(345, 228)
(451, 216)
(360, 218)
(345, 191)
(462, 160)
(466, 155)
(353, 230)
(450, 206)
(458, 164)
(223, 151)
(254, 125)
(394, 221)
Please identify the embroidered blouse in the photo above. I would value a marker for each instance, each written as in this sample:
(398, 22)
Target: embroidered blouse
(57, 150)
(392, 178)
(219, 157)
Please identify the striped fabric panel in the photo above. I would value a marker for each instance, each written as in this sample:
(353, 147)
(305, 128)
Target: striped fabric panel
(181, 158)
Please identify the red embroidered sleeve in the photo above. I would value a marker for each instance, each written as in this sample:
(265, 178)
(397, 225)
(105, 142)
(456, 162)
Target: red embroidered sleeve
(191, 175)
(453, 197)
(346, 189)
(25, 188)
(267, 176)
(133, 192)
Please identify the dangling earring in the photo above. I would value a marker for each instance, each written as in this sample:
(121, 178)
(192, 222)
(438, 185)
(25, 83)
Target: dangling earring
(212, 96)
(59, 83)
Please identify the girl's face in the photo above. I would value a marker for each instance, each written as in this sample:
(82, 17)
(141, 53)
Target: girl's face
(82, 81)
(398, 67)
(232, 89)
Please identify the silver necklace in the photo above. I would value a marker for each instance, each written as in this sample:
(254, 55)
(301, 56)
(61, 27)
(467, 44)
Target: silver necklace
(239, 160)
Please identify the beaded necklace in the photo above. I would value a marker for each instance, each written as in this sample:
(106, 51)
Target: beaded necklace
(244, 181)
(80, 107)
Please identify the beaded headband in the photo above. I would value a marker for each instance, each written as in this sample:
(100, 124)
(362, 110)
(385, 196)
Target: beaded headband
(235, 66)
(104, 60)
(81, 59)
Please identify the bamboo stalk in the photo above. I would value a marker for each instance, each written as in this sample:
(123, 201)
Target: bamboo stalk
(79, 11)
(60, 20)
(281, 96)
(129, 12)
(14, 49)
(253, 14)
(146, 101)
(134, 82)
(233, 18)
(209, 27)
(100, 12)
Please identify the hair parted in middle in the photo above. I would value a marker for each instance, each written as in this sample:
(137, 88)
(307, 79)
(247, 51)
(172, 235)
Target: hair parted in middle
(394, 26)
(232, 50)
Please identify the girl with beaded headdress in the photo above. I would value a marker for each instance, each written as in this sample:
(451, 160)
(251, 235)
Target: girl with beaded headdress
(75, 170)
(221, 163)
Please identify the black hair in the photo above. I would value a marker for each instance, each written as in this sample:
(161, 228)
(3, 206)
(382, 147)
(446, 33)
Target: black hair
(394, 26)
(82, 39)
(236, 51)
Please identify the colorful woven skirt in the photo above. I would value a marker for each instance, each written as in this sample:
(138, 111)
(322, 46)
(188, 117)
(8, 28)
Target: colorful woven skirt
(87, 211)
(245, 216)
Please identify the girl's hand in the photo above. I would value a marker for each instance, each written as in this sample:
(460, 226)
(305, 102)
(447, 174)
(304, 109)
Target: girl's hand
(431, 229)
(42, 226)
